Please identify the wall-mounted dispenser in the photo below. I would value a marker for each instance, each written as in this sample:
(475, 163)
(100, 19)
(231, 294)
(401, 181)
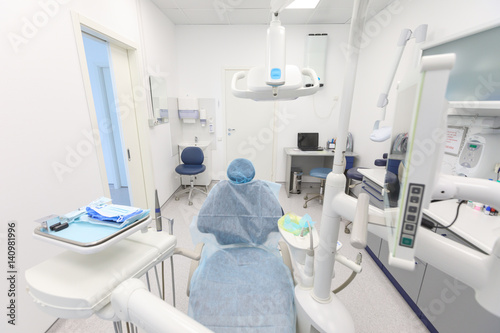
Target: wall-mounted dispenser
(203, 117)
(189, 110)
(315, 57)
(211, 128)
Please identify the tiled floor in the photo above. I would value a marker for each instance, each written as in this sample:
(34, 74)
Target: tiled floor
(373, 302)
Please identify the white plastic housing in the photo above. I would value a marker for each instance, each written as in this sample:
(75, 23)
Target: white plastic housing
(133, 303)
(258, 90)
(275, 54)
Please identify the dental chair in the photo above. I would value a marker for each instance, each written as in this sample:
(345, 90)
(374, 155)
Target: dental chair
(241, 283)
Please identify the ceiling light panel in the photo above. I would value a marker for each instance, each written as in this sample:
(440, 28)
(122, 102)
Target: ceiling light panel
(303, 4)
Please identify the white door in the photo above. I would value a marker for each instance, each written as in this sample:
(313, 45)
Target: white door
(249, 130)
(125, 106)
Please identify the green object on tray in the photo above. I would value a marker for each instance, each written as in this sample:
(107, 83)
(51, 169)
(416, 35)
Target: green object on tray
(295, 224)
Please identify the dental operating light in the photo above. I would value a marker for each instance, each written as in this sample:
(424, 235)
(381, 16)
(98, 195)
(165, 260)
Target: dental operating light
(275, 80)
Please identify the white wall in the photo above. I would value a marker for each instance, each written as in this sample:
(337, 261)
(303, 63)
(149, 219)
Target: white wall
(44, 120)
(445, 17)
(204, 51)
(160, 60)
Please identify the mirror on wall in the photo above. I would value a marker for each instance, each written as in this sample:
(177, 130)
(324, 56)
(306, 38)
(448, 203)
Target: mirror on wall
(158, 88)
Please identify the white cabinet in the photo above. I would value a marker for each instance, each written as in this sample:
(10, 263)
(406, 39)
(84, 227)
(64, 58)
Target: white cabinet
(205, 178)
(449, 304)
(409, 280)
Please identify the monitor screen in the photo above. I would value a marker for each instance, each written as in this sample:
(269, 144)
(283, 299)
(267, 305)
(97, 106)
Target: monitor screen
(307, 140)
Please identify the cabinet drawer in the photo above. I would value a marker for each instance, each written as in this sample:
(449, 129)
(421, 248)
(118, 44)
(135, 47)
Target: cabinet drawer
(374, 191)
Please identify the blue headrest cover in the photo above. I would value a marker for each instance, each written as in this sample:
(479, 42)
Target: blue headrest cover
(240, 171)
(240, 213)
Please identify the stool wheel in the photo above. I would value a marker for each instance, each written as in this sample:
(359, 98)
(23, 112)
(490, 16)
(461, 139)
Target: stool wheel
(190, 203)
(305, 205)
(176, 198)
(305, 198)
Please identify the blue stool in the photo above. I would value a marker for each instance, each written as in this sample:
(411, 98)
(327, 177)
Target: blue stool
(320, 173)
(192, 159)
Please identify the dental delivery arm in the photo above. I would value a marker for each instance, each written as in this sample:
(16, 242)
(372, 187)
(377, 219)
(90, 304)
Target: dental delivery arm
(132, 302)
(474, 268)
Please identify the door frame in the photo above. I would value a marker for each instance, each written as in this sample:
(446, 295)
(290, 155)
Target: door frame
(84, 24)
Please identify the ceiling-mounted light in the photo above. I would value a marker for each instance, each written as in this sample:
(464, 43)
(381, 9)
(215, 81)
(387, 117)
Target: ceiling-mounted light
(303, 4)
(275, 80)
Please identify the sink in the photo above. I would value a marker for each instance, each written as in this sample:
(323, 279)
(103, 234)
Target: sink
(201, 144)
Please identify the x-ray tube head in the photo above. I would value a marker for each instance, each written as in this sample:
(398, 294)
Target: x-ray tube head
(275, 54)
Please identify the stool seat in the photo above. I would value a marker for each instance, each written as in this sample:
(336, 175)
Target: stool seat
(186, 169)
(391, 178)
(354, 173)
(320, 172)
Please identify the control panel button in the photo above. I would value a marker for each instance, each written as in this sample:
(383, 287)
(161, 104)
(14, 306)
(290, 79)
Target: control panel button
(406, 240)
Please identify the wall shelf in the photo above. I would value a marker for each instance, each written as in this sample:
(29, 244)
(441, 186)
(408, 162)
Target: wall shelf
(473, 108)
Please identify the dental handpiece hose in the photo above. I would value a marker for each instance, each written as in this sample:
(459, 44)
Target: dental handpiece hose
(309, 262)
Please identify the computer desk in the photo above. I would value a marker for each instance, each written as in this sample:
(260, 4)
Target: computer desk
(322, 158)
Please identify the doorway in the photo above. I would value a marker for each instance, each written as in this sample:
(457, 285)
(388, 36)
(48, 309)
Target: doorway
(98, 65)
(250, 130)
(128, 164)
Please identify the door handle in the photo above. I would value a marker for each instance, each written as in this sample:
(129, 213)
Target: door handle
(128, 154)
(231, 129)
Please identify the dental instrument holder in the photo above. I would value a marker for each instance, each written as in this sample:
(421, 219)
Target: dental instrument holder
(83, 237)
(47, 221)
(159, 226)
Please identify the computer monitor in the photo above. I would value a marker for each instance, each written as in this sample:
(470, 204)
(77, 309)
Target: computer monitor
(307, 141)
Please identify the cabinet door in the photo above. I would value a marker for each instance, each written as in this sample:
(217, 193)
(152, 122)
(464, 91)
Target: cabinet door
(450, 305)
(374, 242)
(411, 281)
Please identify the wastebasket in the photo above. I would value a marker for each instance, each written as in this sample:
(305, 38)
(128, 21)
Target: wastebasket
(296, 180)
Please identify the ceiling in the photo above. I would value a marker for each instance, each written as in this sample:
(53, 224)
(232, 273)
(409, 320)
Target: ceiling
(239, 12)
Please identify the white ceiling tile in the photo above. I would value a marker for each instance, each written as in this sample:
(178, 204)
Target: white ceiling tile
(257, 11)
(331, 15)
(206, 16)
(200, 4)
(249, 16)
(262, 4)
(165, 4)
(176, 16)
(335, 3)
(295, 16)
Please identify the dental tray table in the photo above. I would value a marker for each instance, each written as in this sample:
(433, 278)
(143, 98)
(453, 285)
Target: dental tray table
(87, 238)
(74, 285)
